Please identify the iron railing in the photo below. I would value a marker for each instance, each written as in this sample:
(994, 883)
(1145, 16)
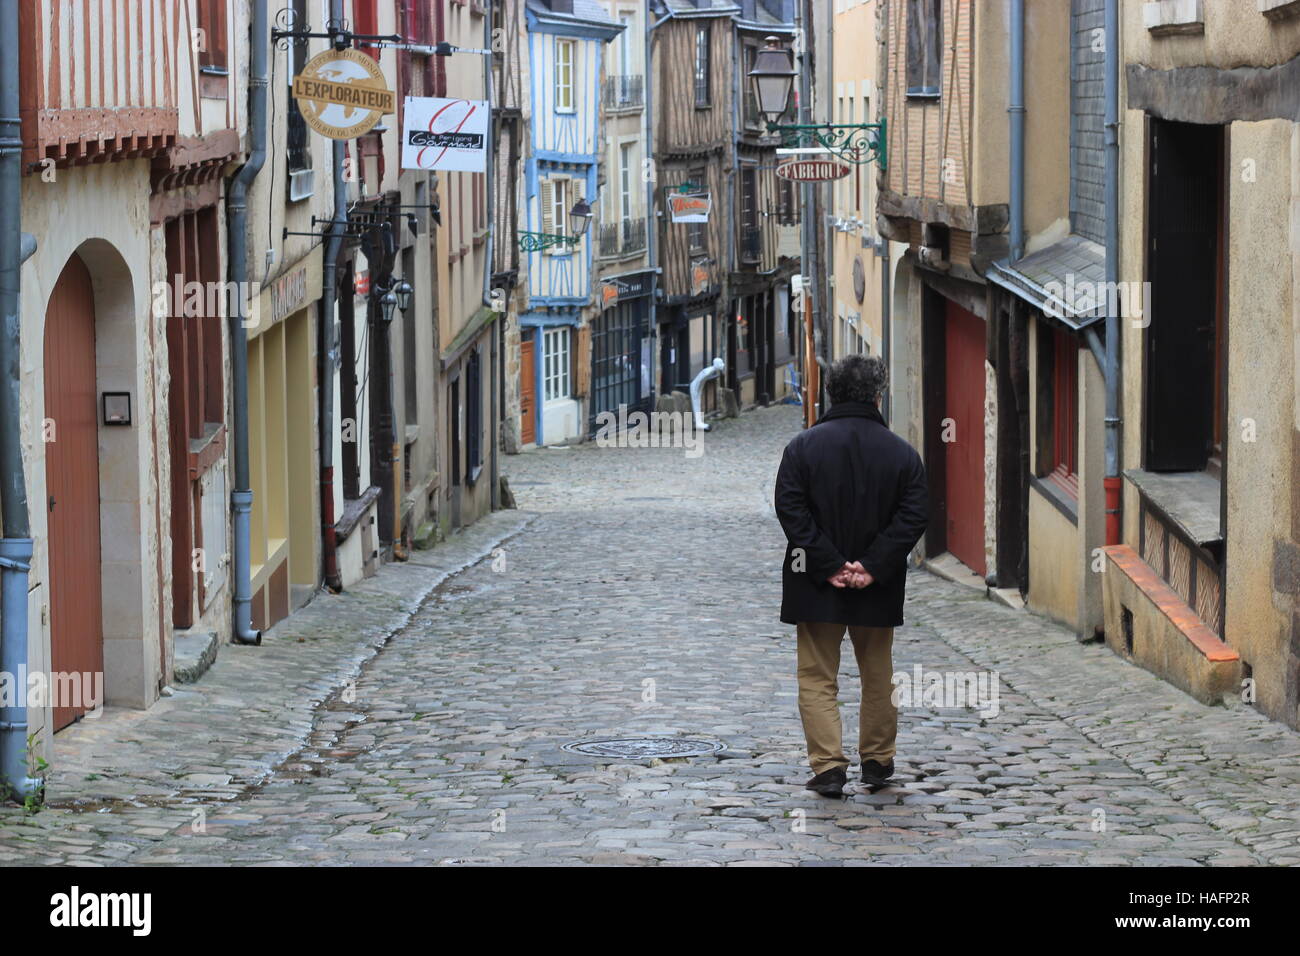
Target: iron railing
(624, 92)
(622, 238)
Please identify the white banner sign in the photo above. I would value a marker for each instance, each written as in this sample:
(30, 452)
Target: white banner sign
(445, 134)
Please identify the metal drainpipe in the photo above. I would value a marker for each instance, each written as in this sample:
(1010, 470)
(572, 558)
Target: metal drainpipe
(490, 149)
(652, 216)
(1111, 92)
(329, 357)
(1017, 111)
(16, 546)
(241, 497)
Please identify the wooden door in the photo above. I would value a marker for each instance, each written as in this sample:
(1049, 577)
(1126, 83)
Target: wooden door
(964, 434)
(72, 482)
(527, 391)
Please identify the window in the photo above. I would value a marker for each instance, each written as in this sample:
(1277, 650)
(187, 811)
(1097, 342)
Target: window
(351, 400)
(1058, 408)
(555, 364)
(625, 61)
(558, 195)
(473, 418)
(751, 247)
(702, 91)
(297, 138)
(564, 57)
(625, 180)
(697, 232)
(1184, 357)
(924, 47)
(212, 21)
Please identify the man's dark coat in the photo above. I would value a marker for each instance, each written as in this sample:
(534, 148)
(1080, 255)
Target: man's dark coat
(849, 489)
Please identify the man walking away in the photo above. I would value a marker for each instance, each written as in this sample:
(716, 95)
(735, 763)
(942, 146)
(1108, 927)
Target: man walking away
(851, 496)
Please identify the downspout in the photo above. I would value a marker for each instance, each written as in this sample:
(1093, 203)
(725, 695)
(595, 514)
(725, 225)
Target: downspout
(241, 496)
(652, 214)
(329, 357)
(490, 148)
(16, 546)
(1111, 92)
(1017, 111)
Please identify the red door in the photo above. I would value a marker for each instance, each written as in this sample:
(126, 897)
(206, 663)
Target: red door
(72, 482)
(527, 396)
(963, 433)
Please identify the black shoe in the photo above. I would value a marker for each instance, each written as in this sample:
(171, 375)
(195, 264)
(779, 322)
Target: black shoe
(829, 783)
(876, 775)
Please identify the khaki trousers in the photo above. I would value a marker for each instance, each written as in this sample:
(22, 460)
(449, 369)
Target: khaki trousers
(819, 685)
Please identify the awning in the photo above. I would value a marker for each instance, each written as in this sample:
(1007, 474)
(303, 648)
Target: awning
(1066, 281)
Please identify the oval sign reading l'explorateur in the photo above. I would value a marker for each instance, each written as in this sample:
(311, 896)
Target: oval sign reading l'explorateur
(341, 94)
(821, 170)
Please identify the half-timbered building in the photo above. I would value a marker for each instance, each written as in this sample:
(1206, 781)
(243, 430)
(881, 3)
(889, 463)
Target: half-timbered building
(759, 328)
(130, 113)
(692, 46)
(566, 46)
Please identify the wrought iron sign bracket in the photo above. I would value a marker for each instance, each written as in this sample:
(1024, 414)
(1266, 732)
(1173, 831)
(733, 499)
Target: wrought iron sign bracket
(537, 241)
(857, 143)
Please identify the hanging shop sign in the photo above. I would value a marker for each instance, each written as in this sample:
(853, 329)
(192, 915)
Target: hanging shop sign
(620, 289)
(445, 134)
(610, 291)
(701, 277)
(821, 170)
(690, 208)
(341, 94)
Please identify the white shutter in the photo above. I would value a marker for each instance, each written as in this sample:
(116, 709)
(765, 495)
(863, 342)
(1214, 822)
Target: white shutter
(546, 202)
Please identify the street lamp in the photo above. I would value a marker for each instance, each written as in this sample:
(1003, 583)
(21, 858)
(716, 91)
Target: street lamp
(387, 304)
(773, 78)
(580, 218)
(403, 292)
(580, 221)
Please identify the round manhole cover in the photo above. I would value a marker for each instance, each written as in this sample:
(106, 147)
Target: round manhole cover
(644, 747)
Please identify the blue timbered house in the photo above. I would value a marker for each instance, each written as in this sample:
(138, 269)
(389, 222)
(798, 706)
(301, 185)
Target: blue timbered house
(566, 40)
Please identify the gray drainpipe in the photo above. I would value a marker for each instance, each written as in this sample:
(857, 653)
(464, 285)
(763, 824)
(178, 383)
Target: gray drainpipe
(1111, 93)
(241, 496)
(490, 148)
(329, 297)
(1017, 111)
(651, 213)
(16, 546)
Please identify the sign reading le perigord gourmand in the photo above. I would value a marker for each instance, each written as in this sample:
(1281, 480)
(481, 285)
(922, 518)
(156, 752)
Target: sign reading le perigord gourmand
(341, 94)
(446, 134)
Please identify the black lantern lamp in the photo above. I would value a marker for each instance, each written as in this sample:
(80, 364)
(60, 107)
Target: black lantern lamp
(580, 219)
(404, 294)
(773, 78)
(387, 305)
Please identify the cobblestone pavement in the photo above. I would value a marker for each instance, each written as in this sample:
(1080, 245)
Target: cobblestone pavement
(637, 593)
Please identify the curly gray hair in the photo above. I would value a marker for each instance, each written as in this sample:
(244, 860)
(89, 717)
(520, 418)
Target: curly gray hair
(857, 378)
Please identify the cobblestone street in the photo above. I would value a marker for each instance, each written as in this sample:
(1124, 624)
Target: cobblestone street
(420, 718)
